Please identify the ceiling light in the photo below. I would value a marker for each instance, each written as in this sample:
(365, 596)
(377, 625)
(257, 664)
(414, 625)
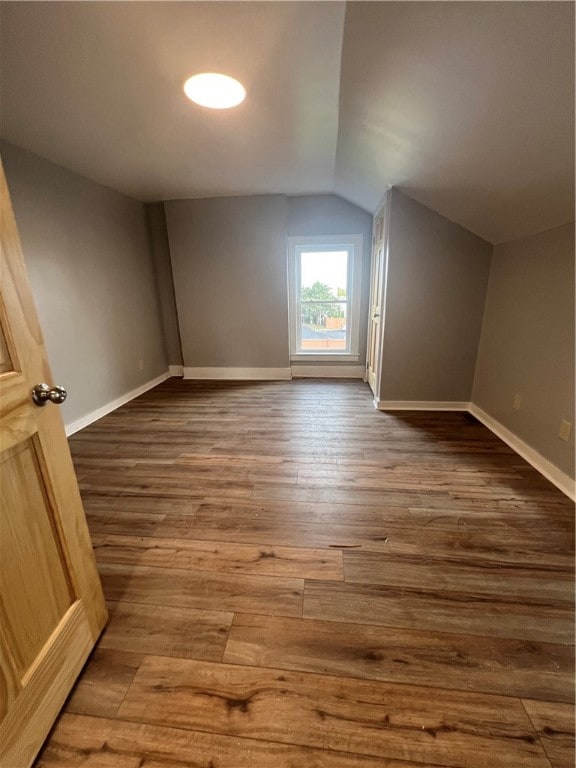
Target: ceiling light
(215, 91)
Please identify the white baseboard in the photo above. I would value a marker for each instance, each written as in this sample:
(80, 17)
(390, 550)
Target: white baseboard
(420, 405)
(84, 421)
(238, 374)
(328, 371)
(176, 370)
(560, 479)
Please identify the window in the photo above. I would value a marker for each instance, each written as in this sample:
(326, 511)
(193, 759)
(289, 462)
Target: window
(324, 276)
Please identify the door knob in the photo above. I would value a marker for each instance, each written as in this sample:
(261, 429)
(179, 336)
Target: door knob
(43, 392)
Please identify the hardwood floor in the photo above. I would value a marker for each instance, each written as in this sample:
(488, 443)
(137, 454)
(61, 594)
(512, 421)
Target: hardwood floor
(296, 580)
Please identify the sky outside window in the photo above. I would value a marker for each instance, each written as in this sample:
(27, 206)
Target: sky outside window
(328, 267)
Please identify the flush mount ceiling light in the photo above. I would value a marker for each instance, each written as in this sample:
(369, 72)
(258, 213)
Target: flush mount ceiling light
(215, 91)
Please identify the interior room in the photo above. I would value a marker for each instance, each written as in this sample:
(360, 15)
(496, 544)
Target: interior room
(287, 385)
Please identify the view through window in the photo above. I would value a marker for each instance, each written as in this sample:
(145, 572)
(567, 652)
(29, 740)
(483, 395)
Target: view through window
(323, 294)
(325, 276)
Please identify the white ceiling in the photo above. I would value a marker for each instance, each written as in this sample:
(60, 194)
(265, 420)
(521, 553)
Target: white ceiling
(466, 106)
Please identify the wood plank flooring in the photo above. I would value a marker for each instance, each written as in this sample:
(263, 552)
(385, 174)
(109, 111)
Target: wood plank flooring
(295, 580)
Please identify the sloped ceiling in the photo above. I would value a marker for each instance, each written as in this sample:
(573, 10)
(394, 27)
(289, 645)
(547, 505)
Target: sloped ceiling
(466, 106)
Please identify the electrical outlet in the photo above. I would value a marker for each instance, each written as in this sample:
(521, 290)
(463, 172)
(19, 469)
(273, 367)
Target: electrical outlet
(140, 364)
(565, 429)
(517, 402)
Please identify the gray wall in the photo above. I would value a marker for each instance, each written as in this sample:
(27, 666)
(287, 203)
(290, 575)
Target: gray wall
(527, 342)
(230, 278)
(230, 272)
(164, 280)
(88, 257)
(436, 290)
(318, 215)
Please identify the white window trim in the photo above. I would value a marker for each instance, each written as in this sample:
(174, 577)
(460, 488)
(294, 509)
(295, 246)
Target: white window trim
(354, 288)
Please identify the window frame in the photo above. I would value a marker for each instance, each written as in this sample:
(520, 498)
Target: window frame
(353, 244)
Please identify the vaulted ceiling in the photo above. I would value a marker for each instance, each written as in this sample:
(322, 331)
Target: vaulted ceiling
(468, 107)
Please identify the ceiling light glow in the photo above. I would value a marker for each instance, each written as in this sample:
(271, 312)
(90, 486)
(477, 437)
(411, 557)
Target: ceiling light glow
(215, 91)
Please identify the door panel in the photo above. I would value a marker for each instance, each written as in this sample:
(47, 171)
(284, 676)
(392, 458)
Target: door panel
(10, 686)
(5, 362)
(374, 320)
(29, 555)
(51, 602)
(44, 689)
(377, 291)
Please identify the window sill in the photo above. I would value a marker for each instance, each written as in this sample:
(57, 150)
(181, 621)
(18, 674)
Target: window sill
(316, 357)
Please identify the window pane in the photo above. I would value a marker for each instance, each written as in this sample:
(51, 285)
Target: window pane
(324, 285)
(323, 326)
(324, 275)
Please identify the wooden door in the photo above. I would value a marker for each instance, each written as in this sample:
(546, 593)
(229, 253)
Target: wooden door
(377, 292)
(51, 603)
